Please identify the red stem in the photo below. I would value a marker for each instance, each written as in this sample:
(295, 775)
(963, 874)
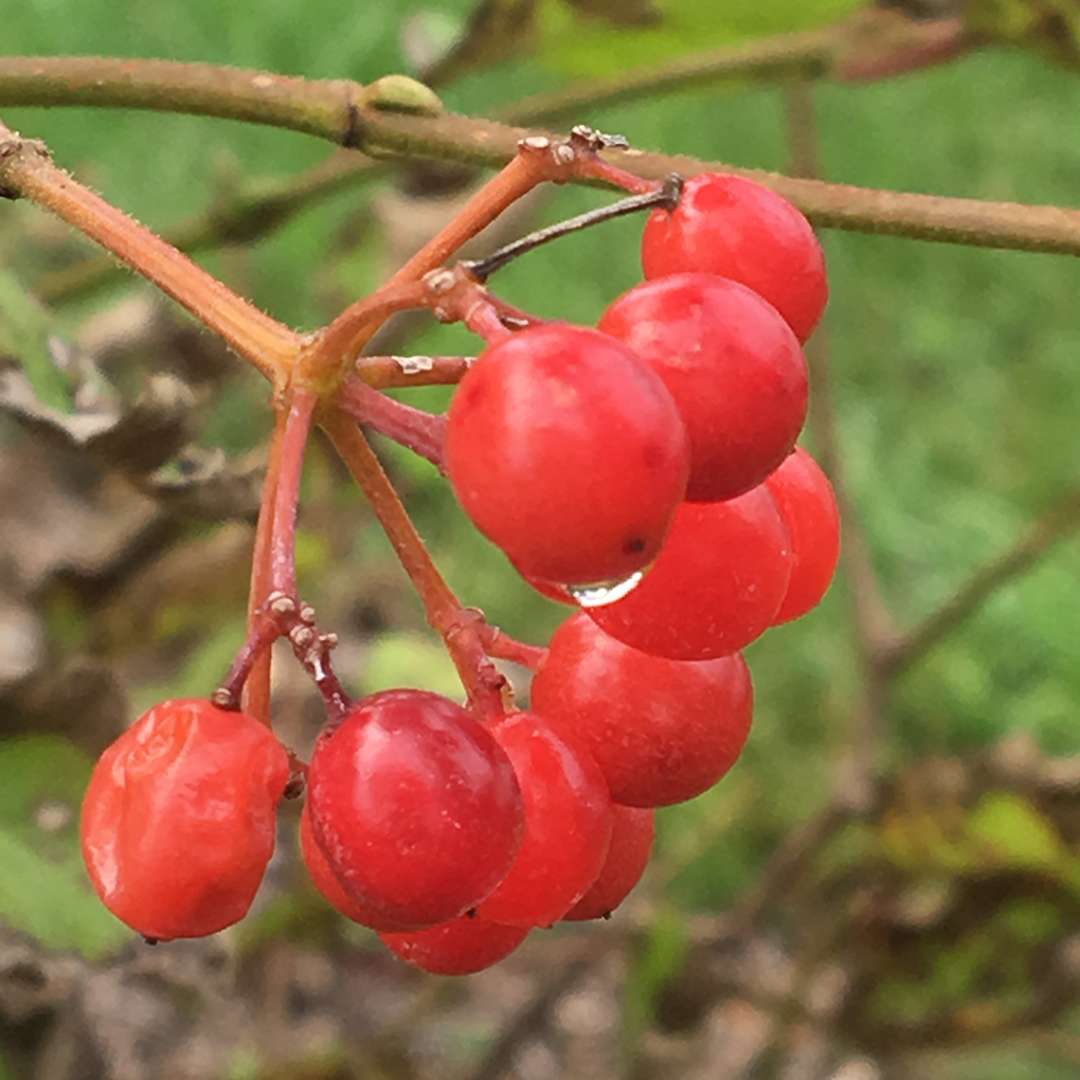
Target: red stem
(422, 432)
(501, 645)
(482, 681)
(483, 319)
(383, 372)
(297, 427)
(256, 697)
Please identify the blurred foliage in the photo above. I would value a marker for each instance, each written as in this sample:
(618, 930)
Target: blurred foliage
(956, 378)
(1050, 27)
(45, 890)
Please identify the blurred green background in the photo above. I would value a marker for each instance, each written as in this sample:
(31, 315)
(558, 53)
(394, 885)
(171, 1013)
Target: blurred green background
(955, 379)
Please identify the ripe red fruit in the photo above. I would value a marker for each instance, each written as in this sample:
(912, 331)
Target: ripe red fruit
(733, 366)
(662, 731)
(730, 226)
(717, 585)
(460, 947)
(807, 504)
(568, 452)
(632, 836)
(415, 807)
(327, 884)
(568, 815)
(178, 820)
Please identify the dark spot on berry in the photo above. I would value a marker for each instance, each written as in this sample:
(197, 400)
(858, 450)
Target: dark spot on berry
(294, 788)
(471, 913)
(634, 546)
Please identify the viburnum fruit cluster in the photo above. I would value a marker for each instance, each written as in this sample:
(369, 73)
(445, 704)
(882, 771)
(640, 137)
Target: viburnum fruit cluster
(645, 471)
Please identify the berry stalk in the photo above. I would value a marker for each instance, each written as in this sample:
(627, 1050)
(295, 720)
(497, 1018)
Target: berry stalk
(537, 159)
(254, 673)
(421, 432)
(665, 196)
(458, 626)
(385, 372)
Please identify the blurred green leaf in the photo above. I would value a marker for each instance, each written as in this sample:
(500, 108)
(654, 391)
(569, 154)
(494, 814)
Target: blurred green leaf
(1014, 833)
(580, 39)
(1049, 27)
(24, 337)
(44, 891)
(405, 659)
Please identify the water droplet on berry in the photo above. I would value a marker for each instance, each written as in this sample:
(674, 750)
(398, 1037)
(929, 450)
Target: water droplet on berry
(605, 592)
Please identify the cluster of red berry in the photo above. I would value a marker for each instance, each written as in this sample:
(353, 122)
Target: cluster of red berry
(645, 471)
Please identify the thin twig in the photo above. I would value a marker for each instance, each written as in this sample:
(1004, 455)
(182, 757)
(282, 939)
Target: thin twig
(1057, 523)
(667, 196)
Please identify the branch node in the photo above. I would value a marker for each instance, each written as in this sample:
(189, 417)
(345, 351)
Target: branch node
(223, 698)
(280, 604)
(354, 136)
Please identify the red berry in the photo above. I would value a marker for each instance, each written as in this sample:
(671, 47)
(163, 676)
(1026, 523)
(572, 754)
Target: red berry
(332, 890)
(807, 504)
(460, 947)
(662, 731)
(632, 836)
(552, 590)
(178, 820)
(730, 226)
(415, 807)
(717, 585)
(733, 366)
(568, 452)
(567, 824)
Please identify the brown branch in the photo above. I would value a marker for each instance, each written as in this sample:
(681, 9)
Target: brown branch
(336, 110)
(1054, 525)
(317, 107)
(251, 214)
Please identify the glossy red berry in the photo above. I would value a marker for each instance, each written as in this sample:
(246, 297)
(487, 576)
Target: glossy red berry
(733, 366)
(807, 503)
(415, 807)
(328, 885)
(632, 834)
(662, 731)
(717, 585)
(727, 225)
(461, 947)
(568, 452)
(568, 814)
(178, 821)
